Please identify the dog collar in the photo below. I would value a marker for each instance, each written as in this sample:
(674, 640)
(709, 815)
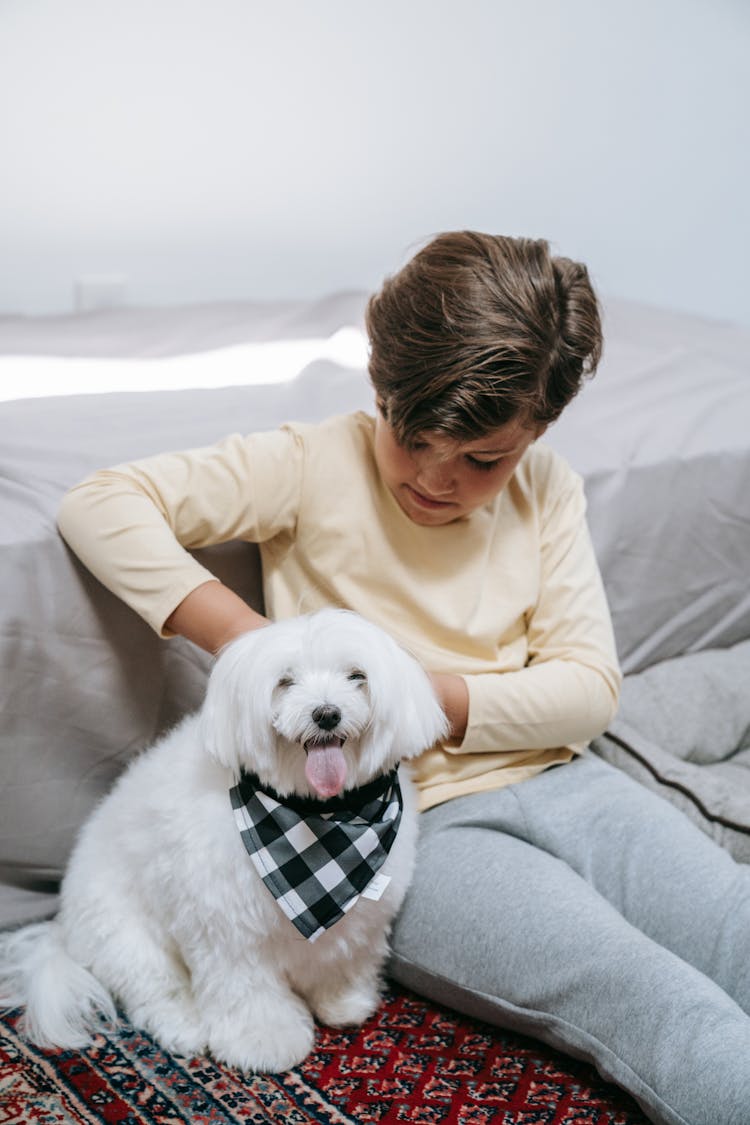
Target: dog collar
(317, 857)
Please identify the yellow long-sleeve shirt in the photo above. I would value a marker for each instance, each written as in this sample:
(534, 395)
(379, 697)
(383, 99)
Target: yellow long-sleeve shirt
(510, 597)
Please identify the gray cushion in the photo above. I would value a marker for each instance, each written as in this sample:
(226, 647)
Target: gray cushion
(683, 730)
(661, 439)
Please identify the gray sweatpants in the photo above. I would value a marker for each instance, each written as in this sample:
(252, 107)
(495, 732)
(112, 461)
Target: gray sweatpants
(584, 910)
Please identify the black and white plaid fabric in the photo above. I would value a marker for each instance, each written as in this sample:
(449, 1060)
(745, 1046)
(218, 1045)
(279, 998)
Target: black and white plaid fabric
(317, 857)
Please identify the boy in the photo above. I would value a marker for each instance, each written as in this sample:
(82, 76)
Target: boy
(565, 902)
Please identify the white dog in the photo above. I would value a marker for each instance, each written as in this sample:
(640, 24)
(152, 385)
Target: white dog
(227, 924)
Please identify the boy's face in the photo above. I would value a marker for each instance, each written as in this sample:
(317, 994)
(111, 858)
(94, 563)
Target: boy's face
(440, 480)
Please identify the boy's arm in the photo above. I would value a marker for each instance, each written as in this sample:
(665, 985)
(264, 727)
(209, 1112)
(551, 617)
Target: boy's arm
(213, 615)
(133, 525)
(568, 692)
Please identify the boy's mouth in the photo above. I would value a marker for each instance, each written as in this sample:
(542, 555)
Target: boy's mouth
(427, 501)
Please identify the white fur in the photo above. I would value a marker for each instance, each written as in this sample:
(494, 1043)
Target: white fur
(161, 907)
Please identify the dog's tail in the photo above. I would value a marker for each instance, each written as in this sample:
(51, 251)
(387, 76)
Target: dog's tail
(65, 1004)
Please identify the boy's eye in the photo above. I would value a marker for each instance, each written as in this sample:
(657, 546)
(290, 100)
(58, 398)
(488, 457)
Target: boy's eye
(483, 465)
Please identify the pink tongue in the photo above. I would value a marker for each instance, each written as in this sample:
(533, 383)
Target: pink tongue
(325, 769)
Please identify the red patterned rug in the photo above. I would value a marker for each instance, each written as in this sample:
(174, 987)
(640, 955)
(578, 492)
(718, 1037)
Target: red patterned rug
(412, 1062)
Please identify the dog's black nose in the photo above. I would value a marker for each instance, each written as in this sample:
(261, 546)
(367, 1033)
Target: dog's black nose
(327, 717)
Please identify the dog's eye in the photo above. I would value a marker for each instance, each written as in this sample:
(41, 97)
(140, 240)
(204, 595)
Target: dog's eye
(285, 682)
(357, 675)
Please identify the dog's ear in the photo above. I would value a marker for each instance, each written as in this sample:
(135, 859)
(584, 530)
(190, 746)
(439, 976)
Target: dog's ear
(406, 709)
(234, 717)
(423, 720)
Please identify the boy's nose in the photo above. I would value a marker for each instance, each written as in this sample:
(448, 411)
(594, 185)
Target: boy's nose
(436, 477)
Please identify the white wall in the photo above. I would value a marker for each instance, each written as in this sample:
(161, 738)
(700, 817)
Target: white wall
(211, 149)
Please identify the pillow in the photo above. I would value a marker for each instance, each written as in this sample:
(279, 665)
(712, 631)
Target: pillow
(683, 731)
(661, 438)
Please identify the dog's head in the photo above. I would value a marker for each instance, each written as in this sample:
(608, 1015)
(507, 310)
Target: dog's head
(318, 704)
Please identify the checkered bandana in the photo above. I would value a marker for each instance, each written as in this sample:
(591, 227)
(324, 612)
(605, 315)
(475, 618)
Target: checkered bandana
(317, 857)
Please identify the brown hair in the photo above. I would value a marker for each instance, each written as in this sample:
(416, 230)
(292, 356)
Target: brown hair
(479, 329)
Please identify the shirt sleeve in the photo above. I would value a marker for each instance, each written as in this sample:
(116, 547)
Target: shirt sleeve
(568, 691)
(133, 525)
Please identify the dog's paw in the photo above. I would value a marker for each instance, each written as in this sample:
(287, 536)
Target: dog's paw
(175, 1026)
(272, 1048)
(347, 1007)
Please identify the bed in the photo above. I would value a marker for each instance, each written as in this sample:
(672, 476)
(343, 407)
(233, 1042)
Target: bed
(660, 437)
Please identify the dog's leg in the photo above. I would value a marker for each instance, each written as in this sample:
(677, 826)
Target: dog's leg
(346, 1000)
(254, 1021)
(144, 970)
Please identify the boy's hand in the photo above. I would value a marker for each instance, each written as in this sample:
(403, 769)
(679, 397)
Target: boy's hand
(453, 694)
